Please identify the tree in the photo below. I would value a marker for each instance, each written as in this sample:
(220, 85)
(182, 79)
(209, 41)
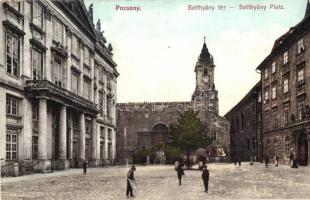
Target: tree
(189, 133)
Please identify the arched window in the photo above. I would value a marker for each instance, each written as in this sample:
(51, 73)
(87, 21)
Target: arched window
(160, 128)
(205, 72)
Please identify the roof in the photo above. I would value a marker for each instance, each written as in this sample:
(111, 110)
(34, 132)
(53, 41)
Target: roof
(245, 98)
(205, 56)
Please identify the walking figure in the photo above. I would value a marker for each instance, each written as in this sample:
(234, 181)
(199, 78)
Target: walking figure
(76, 161)
(239, 161)
(130, 182)
(266, 161)
(180, 173)
(291, 159)
(276, 160)
(205, 177)
(85, 163)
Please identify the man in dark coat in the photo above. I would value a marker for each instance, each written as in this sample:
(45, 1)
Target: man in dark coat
(85, 163)
(130, 178)
(180, 173)
(266, 160)
(205, 177)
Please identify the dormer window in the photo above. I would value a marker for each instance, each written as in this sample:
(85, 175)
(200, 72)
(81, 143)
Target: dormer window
(285, 58)
(300, 46)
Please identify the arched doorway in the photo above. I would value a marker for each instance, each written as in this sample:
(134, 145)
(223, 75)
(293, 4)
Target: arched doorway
(302, 148)
(160, 137)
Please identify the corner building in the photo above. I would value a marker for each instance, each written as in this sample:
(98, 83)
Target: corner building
(285, 77)
(57, 87)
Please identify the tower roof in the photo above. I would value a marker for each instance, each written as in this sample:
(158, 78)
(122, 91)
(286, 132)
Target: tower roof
(205, 56)
(307, 9)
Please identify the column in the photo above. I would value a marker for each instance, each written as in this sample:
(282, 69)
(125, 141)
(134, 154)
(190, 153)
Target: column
(82, 136)
(113, 144)
(98, 142)
(42, 146)
(94, 147)
(63, 133)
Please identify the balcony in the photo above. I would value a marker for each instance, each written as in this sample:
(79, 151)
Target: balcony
(47, 89)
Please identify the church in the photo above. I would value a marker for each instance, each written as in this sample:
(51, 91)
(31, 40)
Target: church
(146, 124)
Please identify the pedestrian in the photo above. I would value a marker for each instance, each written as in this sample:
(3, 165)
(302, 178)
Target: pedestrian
(266, 161)
(239, 161)
(205, 177)
(295, 165)
(130, 182)
(85, 163)
(235, 161)
(180, 173)
(76, 161)
(291, 159)
(276, 160)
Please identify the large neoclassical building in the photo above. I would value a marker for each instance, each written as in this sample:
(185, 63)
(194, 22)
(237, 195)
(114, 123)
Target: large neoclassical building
(147, 124)
(57, 87)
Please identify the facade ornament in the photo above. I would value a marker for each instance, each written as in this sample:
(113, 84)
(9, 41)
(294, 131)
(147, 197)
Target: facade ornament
(110, 47)
(98, 26)
(68, 32)
(90, 11)
(48, 14)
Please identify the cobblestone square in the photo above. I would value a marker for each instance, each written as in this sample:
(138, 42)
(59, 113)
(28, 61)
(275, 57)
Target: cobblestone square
(160, 182)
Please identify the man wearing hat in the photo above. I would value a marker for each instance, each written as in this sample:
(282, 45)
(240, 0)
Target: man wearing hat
(130, 181)
(205, 177)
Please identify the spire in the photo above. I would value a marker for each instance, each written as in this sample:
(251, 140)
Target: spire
(205, 56)
(307, 14)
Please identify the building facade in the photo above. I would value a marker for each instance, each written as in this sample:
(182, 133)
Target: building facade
(57, 87)
(245, 127)
(285, 77)
(147, 124)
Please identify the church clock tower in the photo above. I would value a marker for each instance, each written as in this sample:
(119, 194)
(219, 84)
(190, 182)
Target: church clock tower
(205, 95)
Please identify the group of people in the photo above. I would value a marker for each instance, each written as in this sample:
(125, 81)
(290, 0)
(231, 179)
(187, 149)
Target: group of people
(205, 175)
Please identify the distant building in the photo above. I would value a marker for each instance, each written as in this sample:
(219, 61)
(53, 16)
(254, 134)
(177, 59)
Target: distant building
(147, 124)
(57, 87)
(245, 127)
(285, 76)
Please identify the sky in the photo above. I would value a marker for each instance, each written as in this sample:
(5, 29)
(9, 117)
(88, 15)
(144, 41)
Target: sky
(156, 48)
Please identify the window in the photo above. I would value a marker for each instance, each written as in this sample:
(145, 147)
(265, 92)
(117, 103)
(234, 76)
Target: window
(266, 95)
(286, 114)
(300, 77)
(75, 121)
(86, 89)
(273, 68)
(35, 116)
(266, 73)
(11, 146)
(37, 14)
(75, 46)
(109, 107)
(101, 149)
(213, 135)
(242, 121)
(285, 58)
(12, 55)
(267, 121)
(101, 102)
(259, 99)
(11, 105)
(75, 82)
(88, 127)
(285, 86)
(58, 31)
(274, 118)
(300, 46)
(34, 147)
(37, 64)
(86, 56)
(287, 147)
(237, 123)
(102, 132)
(58, 70)
(300, 109)
(254, 143)
(274, 92)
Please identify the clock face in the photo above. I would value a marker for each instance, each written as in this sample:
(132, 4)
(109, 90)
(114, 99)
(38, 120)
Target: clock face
(206, 79)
